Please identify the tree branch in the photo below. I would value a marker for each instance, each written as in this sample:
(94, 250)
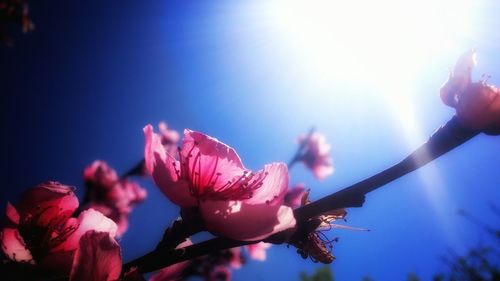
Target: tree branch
(446, 138)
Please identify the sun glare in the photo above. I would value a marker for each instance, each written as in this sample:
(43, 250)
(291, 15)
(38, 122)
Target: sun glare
(383, 44)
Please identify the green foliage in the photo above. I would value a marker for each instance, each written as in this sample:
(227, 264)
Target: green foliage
(320, 274)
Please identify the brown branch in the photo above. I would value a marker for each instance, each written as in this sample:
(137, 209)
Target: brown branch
(446, 138)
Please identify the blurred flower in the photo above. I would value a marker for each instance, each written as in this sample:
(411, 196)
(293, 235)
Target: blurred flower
(316, 155)
(169, 137)
(41, 231)
(219, 273)
(477, 104)
(13, 12)
(97, 258)
(258, 251)
(295, 195)
(233, 201)
(110, 195)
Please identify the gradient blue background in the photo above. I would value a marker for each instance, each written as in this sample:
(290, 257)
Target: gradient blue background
(93, 73)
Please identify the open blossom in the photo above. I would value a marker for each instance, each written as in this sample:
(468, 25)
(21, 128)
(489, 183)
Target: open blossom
(41, 231)
(112, 196)
(316, 155)
(477, 104)
(233, 201)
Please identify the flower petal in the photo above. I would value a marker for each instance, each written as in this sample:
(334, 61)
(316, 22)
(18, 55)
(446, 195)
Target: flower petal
(163, 167)
(294, 195)
(210, 165)
(97, 258)
(246, 222)
(274, 186)
(12, 214)
(258, 251)
(14, 247)
(100, 175)
(88, 220)
(46, 204)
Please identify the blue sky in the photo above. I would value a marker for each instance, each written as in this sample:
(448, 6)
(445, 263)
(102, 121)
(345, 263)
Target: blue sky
(85, 82)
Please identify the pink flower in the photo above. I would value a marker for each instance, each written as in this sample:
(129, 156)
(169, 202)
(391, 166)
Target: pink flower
(258, 251)
(477, 104)
(219, 273)
(169, 137)
(236, 259)
(110, 195)
(295, 195)
(316, 155)
(97, 258)
(41, 231)
(233, 201)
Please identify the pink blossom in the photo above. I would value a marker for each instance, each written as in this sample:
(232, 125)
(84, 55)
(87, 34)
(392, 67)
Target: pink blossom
(218, 273)
(316, 155)
(98, 257)
(168, 136)
(173, 272)
(477, 104)
(236, 259)
(258, 251)
(233, 201)
(295, 195)
(112, 196)
(41, 231)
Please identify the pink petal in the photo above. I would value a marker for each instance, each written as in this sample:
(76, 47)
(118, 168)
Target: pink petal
(121, 219)
(97, 258)
(274, 186)
(246, 222)
(168, 136)
(322, 171)
(88, 220)
(294, 196)
(210, 165)
(163, 168)
(12, 214)
(173, 272)
(14, 247)
(47, 204)
(236, 260)
(100, 174)
(258, 251)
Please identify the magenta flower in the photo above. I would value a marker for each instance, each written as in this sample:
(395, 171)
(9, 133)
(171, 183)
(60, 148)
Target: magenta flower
(233, 201)
(295, 195)
(110, 195)
(169, 137)
(316, 155)
(98, 257)
(258, 251)
(41, 231)
(477, 104)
